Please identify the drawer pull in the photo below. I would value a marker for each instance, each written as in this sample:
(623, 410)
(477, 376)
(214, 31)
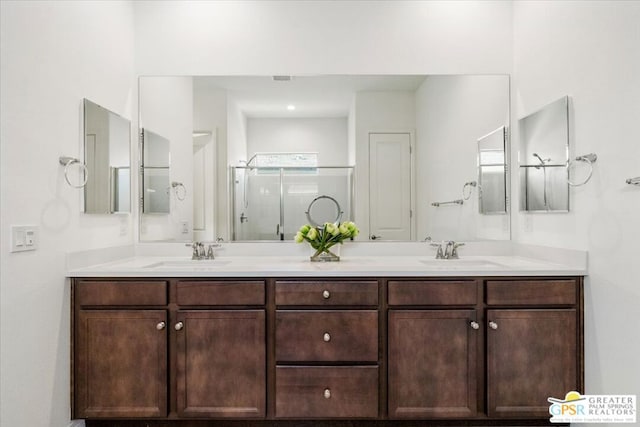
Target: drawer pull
(327, 393)
(326, 294)
(493, 325)
(474, 325)
(179, 326)
(326, 337)
(160, 326)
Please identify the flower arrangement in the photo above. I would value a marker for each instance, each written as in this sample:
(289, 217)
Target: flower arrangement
(324, 237)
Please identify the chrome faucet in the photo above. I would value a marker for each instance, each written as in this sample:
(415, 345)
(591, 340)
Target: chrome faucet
(199, 252)
(450, 250)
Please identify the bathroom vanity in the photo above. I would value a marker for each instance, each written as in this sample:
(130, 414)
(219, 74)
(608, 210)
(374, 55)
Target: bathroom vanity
(327, 344)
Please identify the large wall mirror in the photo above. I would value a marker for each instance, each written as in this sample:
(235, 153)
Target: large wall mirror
(254, 152)
(106, 155)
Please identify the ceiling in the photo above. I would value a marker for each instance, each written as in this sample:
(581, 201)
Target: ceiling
(312, 96)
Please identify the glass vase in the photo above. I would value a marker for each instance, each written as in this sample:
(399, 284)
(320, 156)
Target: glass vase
(331, 254)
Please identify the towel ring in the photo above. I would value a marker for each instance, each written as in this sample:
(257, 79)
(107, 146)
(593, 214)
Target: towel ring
(67, 162)
(470, 185)
(176, 189)
(589, 159)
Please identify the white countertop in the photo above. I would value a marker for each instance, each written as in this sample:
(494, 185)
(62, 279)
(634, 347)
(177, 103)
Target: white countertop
(348, 266)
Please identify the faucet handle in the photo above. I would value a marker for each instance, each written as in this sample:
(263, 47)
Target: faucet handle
(454, 249)
(196, 249)
(210, 252)
(439, 254)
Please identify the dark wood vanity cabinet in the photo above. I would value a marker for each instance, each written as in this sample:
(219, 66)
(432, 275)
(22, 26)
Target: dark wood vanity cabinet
(326, 349)
(523, 340)
(120, 363)
(137, 354)
(481, 350)
(120, 349)
(220, 364)
(534, 345)
(434, 339)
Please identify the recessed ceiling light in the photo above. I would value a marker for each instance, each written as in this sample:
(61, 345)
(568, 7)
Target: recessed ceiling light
(291, 107)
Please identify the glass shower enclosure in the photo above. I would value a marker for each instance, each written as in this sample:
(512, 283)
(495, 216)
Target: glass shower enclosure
(271, 203)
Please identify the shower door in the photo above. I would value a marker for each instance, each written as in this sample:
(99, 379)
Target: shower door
(272, 203)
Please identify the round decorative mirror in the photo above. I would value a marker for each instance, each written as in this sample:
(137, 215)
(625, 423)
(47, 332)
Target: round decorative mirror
(323, 209)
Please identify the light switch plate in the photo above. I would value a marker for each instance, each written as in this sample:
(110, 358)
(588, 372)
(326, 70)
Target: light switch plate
(24, 238)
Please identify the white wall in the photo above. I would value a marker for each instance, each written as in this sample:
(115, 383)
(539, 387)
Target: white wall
(319, 37)
(56, 53)
(452, 112)
(52, 56)
(590, 51)
(327, 137)
(166, 106)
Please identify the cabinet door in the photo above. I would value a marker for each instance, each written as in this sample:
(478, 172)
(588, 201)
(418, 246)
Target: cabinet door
(432, 364)
(531, 355)
(120, 364)
(221, 363)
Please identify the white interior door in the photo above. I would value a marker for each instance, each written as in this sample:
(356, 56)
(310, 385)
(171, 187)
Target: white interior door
(390, 186)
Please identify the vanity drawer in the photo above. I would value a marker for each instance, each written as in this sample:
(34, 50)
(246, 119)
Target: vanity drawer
(99, 293)
(327, 392)
(323, 336)
(220, 292)
(532, 292)
(327, 293)
(433, 292)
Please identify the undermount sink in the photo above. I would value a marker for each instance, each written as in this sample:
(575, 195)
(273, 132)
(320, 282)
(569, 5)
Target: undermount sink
(460, 264)
(195, 264)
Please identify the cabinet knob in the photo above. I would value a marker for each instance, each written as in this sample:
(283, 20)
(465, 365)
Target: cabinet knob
(474, 325)
(160, 326)
(179, 326)
(326, 337)
(327, 393)
(493, 325)
(326, 294)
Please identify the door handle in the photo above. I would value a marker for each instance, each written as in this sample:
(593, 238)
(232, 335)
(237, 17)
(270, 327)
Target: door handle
(374, 237)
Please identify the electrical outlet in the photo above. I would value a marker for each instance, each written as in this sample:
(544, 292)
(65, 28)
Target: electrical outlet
(24, 238)
(184, 227)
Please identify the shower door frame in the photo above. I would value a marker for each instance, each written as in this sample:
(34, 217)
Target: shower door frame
(282, 169)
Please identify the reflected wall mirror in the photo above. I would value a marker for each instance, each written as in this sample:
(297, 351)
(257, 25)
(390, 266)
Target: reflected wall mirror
(154, 173)
(383, 146)
(107, 158)
(544, 157)
(492, 172)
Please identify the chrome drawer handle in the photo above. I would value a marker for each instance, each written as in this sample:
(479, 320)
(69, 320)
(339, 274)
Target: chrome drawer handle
(327, 393)
(326, 294)
(179, 326)
(493, 325)
(326, 337)
(474, 325)
(160, 326)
